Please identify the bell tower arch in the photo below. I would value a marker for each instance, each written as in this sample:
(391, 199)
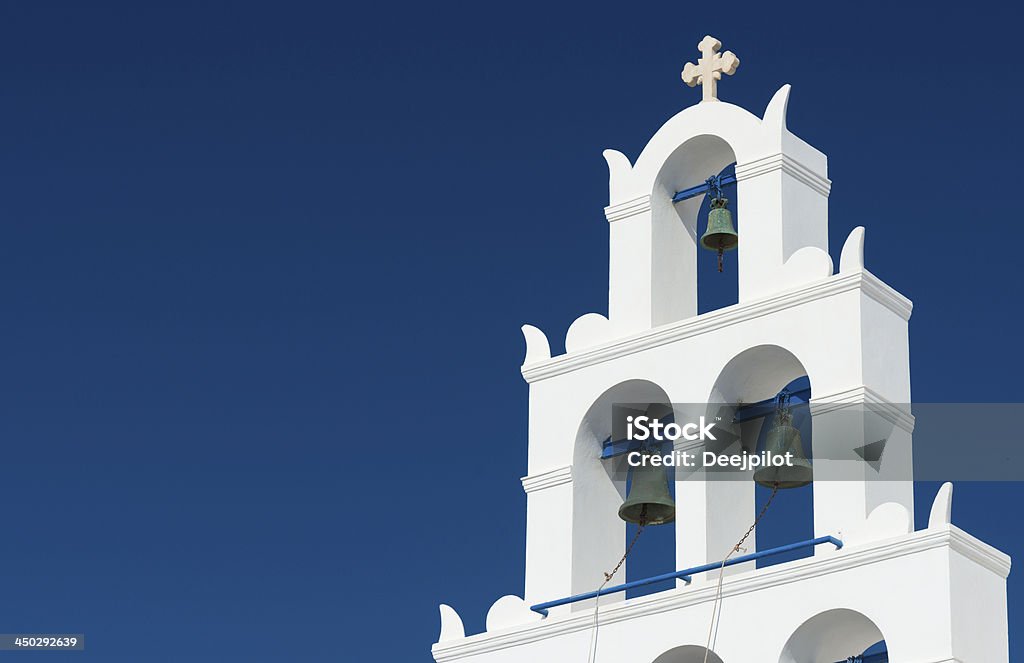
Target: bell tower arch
(598, 535)
(781, 180)
(797, 316)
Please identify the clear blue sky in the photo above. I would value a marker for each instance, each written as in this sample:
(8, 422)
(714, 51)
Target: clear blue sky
(245, 248)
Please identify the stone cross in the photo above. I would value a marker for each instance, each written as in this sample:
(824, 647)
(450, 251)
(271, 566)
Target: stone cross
(708, 70)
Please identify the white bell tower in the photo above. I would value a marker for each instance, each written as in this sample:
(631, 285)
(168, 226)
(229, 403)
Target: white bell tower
(934, 594)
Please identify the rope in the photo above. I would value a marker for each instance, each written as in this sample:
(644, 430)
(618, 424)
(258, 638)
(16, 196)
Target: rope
(717, 605)
(592, 654)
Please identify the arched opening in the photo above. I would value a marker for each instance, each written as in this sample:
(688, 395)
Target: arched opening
(677, 227)
(599, 535)
(716, 289)
(688, 654)
(876, 653)
(654, 552)
(834, 636)
(748, 389)
(790, 517)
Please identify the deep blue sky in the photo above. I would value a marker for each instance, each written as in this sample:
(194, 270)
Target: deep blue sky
(246, 248)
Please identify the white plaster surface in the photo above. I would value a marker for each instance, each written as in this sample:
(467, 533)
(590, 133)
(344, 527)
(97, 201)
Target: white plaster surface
(852, 257)
(509, 611)
(587, 331)
(942, 508)
(451, 625)
(537, 347)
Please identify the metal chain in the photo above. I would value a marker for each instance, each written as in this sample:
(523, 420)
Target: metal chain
(609, 576)
(721, 569)
(592, 651)
(775, 490)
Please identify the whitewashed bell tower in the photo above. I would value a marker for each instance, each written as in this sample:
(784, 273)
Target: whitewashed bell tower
(934, 594)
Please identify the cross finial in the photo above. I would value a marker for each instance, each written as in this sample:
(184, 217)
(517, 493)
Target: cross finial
(708, 70)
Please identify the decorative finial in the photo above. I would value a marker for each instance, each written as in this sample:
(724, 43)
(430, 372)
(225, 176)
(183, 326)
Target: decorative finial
(708, 70)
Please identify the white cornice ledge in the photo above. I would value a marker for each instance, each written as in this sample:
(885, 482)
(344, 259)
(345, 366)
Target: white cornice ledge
(867, 282)
(547, 479)
(862, 395)
(885, 295)
(627, 209)
(979, 552)
(850, 557)
(788, 165)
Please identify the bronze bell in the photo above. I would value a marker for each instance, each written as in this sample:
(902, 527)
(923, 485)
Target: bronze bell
(783, 438)
(720, 234)
(649, 501)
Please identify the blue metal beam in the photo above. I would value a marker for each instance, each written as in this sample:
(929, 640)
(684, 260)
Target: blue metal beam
(701, 189)
(881, 657)
(611, 448)
(686, 574)
(768, 406)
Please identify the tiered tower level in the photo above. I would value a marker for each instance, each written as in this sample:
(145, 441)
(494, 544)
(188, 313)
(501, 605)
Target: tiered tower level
(934, 594)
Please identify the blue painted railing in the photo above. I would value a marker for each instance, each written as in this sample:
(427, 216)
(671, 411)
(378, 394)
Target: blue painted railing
(686, 574)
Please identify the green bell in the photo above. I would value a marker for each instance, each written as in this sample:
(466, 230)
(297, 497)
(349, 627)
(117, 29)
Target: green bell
(649, 501)
(720, 235)
(783, 438)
